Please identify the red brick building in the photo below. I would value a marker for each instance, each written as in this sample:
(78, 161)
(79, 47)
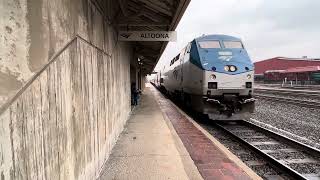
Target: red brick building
(294, 69)
(283, 63)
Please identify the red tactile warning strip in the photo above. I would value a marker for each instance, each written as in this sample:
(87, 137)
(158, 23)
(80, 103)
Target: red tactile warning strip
(210, 161)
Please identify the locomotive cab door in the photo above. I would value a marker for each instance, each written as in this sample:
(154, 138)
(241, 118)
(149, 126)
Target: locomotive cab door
(180, 77)
(184, 66)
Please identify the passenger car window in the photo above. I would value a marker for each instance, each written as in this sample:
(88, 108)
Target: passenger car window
(209, 44)
(233, 44)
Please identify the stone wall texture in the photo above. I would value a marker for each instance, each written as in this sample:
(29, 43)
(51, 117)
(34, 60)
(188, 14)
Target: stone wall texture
(66, 119)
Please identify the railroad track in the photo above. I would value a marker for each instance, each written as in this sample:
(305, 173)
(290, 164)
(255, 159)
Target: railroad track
(293, 158)
(300, 102)
(312, 95)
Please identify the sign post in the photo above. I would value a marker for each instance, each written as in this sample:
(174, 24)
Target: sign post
(147, 36)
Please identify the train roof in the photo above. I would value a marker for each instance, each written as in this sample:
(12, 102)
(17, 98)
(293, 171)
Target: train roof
(217, 37)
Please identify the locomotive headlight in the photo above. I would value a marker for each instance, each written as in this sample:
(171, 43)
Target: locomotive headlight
(233, 68)
(213, 77)
(249, 76)
(226, 68)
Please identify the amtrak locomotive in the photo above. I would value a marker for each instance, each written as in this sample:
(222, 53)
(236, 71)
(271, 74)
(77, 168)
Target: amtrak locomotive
(213, 75)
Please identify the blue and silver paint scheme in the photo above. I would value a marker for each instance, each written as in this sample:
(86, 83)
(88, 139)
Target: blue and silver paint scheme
(208, 60)
(214, 60)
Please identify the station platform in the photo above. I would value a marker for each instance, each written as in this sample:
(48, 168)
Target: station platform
(161, 142)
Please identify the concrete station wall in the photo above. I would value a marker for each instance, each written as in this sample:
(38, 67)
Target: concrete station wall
(64, 125)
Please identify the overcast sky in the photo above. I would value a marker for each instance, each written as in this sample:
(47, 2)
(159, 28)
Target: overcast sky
(268, 28)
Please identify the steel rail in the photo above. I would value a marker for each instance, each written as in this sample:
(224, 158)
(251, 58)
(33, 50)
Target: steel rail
(308, 149)
(297, 145)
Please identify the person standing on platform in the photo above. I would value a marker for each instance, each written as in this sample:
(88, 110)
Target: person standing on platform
(134, 94)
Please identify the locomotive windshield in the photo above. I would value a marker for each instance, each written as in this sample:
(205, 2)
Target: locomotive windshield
(210, 44)
(233, 44)
(216, 44)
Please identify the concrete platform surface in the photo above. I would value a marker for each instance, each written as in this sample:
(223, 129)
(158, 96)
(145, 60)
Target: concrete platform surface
(161, 142)
(149, 148)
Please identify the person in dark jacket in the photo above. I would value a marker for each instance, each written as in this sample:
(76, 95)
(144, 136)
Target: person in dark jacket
(134, 94)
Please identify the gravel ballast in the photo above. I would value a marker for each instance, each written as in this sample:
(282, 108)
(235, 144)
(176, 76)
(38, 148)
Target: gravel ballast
(300, 121)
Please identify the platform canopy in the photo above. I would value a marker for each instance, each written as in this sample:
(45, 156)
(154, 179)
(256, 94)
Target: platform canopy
(149, 15)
